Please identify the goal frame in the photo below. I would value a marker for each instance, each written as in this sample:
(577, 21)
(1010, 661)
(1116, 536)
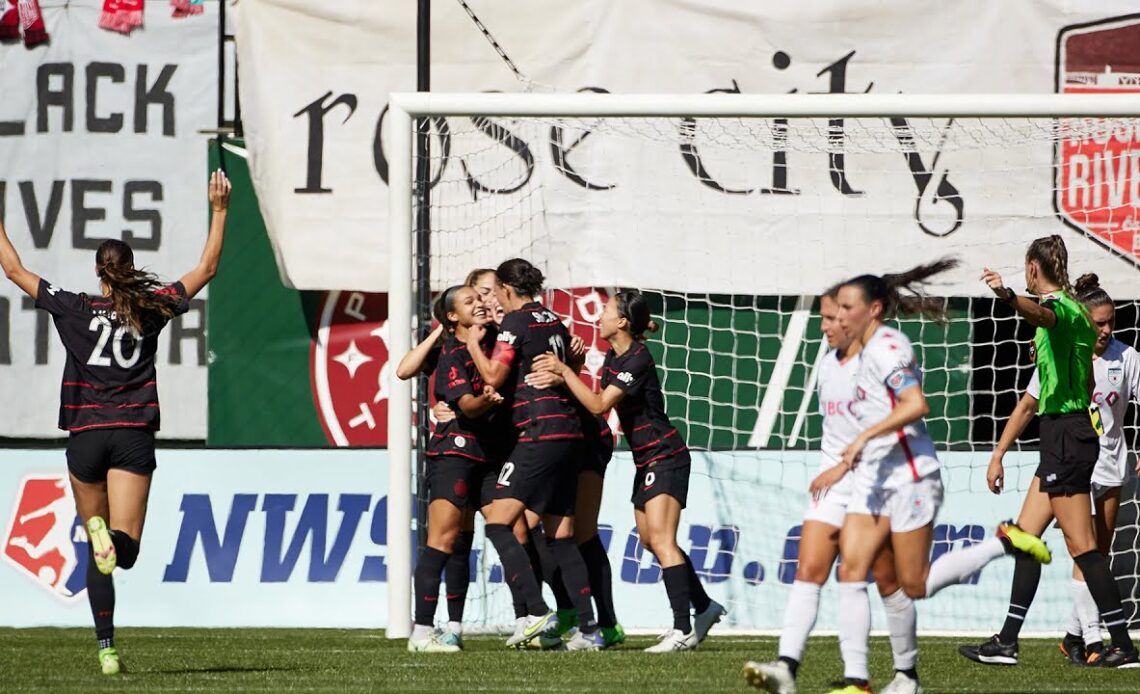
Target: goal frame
(405, 107)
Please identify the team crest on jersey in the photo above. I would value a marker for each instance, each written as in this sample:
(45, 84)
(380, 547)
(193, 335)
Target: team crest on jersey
(1095, 189)
(349, 366)
(45, 540)
(1115, 375)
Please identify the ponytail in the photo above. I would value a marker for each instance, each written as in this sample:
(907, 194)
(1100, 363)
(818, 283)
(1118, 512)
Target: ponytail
(633, 307)
(133, 293)
(1090, 293)
(1052, 257)
(518, 273)
(904, 293)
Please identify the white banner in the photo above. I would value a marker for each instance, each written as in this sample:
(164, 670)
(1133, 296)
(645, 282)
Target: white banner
(315, 79)
(258, 538)
(98, 140)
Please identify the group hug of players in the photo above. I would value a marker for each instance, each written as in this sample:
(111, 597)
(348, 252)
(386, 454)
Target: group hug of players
(521, 439)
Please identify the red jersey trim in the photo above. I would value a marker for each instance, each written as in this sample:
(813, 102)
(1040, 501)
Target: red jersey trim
(109, 425)
(903, 442)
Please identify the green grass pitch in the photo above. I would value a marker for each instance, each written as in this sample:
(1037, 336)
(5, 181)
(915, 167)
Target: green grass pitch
(302, 660)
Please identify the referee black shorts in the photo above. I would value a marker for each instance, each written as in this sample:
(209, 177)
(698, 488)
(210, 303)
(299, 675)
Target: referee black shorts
(1069, 451)
(91, 453)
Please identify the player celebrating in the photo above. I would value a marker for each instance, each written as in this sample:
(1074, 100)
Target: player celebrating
(541, 471)
(661, 485)
(897, 486)
(1066, 341)
(109, 396)
(461, 453)
(819, 536)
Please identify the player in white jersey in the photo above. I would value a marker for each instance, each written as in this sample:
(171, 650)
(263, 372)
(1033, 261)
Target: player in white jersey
(819, 535)
(1116, 371)
(897, 487)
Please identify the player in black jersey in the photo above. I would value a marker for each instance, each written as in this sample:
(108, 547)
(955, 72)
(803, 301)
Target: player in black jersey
(462, 456)
(541, 471)
(660, 487)
(109, 397)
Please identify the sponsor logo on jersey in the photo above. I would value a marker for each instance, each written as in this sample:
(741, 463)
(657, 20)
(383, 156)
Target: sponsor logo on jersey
(508, 337)
(1096, 190)
(52, 289)
(625, 377)
(1115, 375)
(45, 540)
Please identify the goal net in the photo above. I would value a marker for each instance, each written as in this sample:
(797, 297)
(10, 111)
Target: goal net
(732, 214)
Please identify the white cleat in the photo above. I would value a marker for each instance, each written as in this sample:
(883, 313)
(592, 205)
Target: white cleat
(775, 677)
(531, 629)
(901, 684)
(431, 644)
(705, 620)
(675, 640)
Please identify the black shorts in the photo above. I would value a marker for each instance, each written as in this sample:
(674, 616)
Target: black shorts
(543, 475)
(462, 481)
(595, 455)
(91, 453)
(1069, 451)
(669, 476)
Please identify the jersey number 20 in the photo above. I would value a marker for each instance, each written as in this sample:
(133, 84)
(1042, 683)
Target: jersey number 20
(109, 333)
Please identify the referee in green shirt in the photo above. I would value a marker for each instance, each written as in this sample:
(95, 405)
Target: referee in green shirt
(1069, 430)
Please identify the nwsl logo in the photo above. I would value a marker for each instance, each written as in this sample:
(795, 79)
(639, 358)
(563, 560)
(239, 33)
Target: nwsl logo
(45, 541)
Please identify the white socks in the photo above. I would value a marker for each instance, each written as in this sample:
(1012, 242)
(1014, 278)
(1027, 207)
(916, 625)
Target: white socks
(902, 623)
(455, 628)
(1085, 613)
(799, 618)
(956, 566)
(421, 632)
(854, 628)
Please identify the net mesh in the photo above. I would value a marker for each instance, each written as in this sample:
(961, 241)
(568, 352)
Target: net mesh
(741, 341)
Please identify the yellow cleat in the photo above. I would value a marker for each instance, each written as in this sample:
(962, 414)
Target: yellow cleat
(109, 661)
(101, 545)
(1024, 542)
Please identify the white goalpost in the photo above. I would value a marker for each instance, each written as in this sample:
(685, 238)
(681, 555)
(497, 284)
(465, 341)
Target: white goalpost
(733, 212)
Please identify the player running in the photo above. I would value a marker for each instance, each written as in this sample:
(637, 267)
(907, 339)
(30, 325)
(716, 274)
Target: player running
(109, 395)
(819, 536)
(660, 487)
(541, 471)
(897, 486)
(1072, 451)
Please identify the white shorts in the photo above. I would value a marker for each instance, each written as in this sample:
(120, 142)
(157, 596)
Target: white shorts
(909, 507)
(831, 508)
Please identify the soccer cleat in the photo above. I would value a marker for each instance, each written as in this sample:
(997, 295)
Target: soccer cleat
(902, 684)
(451, 638)
(775, 677)
(705, 620)
(101, 545)
(567, 621)
(1026, 543)
(1073, 648)
(109, 661)
(851, 688)
(992, 652)
(594, 641)
(550, 641)
(534, 627)
(431, 644)
(675, 640)
(1093, 653)
(1117, 657)
(613, 635)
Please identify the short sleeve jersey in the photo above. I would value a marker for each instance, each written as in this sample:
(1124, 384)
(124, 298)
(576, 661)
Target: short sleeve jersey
(835, 384)
(538, 414)
(1064, 356)
(109, 379)
(465, 437)
(1116, 376)
(887, 368)
(596, 431)
(641, 410)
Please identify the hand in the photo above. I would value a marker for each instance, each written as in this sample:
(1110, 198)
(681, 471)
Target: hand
(219, 191)
(491, 396)
(442, 412)
(548, 362)
(577, 346)
(994, 282)
(543, 379)
(475, 335)
(853, 451)
(995, 474)
(826, 480)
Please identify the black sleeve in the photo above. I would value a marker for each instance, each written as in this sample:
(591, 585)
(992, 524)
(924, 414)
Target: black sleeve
(57, 301)
(633, 371)
(177, 292)
(452, 378)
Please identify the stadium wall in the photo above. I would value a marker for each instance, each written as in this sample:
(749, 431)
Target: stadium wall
(297, 538)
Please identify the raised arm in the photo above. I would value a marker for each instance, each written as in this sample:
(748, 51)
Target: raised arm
(14, 269)
(207, 267)
(494, 369)
(1034, 313)
(413, 362)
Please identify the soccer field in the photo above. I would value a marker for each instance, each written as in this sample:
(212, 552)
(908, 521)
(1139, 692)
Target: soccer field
(240, 660)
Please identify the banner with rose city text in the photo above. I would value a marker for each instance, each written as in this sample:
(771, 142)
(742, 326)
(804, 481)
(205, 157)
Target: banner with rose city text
(98, 140)
(601, 208)
(259, 538)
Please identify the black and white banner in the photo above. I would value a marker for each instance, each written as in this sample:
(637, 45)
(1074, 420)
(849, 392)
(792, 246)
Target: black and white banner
(635, 210)
(98, 140)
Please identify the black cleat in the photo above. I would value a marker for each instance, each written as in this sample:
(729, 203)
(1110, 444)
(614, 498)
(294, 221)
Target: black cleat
(992, 652)
(1117, 657)
(1073, 648)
